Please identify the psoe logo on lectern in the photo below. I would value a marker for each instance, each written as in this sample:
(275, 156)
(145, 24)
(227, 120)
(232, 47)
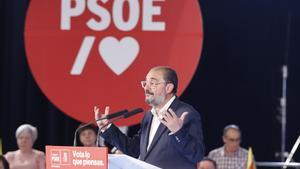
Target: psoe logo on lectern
(60, 157)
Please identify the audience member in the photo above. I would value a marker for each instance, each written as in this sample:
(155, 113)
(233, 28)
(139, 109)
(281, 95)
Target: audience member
(3, 163)
(231, 155)
(26, 157)
(207, 163)
(87, 136)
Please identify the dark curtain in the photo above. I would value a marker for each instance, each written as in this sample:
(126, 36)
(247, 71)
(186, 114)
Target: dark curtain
(21, 99)
(238, 79)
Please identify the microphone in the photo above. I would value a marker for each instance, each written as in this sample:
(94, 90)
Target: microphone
(132, 113)
(114, 115)
(125, 115)
(109, 116)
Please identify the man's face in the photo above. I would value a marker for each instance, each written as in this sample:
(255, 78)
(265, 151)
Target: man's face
(206, 165)
(155, 88)
(232, 139)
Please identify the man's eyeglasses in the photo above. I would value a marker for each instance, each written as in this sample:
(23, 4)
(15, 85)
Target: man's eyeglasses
(152, 84)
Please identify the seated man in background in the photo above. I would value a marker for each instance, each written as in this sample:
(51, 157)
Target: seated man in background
(207, 163)
(231, 155)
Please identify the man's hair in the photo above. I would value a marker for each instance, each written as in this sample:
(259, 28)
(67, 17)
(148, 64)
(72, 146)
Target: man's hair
(170, 76)
(210, 160)
(231, 126)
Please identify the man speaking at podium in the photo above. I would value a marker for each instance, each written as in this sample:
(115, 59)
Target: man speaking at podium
(170, 136)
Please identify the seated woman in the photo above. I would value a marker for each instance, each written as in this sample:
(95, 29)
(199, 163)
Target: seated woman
(87, 136)
(3, 163)
(26, 157)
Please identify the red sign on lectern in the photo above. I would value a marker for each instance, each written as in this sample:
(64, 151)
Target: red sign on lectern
(65, 157)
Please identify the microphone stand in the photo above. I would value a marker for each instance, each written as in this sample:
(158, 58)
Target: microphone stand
(290, 156)
(110, 116)
(87, 124)
(125, 115)
(283, 99)
(283, 111)
(99, 130)
(76, 131)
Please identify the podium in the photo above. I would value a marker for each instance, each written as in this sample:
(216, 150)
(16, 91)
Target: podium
(68, 157)
(122, 161)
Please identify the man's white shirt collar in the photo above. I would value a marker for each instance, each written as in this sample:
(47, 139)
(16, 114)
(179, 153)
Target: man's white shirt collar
(163, 109)
(155, 122)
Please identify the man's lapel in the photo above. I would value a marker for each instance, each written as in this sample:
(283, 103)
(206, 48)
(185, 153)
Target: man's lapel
(161, 129)
(145, 137)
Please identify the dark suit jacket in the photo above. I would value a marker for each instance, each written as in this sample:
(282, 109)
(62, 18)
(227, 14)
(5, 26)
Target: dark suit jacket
(181, 150)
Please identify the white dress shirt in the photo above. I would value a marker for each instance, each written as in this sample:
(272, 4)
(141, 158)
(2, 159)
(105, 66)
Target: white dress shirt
(155, 122)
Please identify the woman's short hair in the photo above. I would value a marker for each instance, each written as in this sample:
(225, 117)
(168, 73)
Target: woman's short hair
(28, 128)
(91, 127)
(4, 162)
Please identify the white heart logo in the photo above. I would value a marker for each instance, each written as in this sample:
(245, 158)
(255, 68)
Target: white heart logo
(118, 55)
